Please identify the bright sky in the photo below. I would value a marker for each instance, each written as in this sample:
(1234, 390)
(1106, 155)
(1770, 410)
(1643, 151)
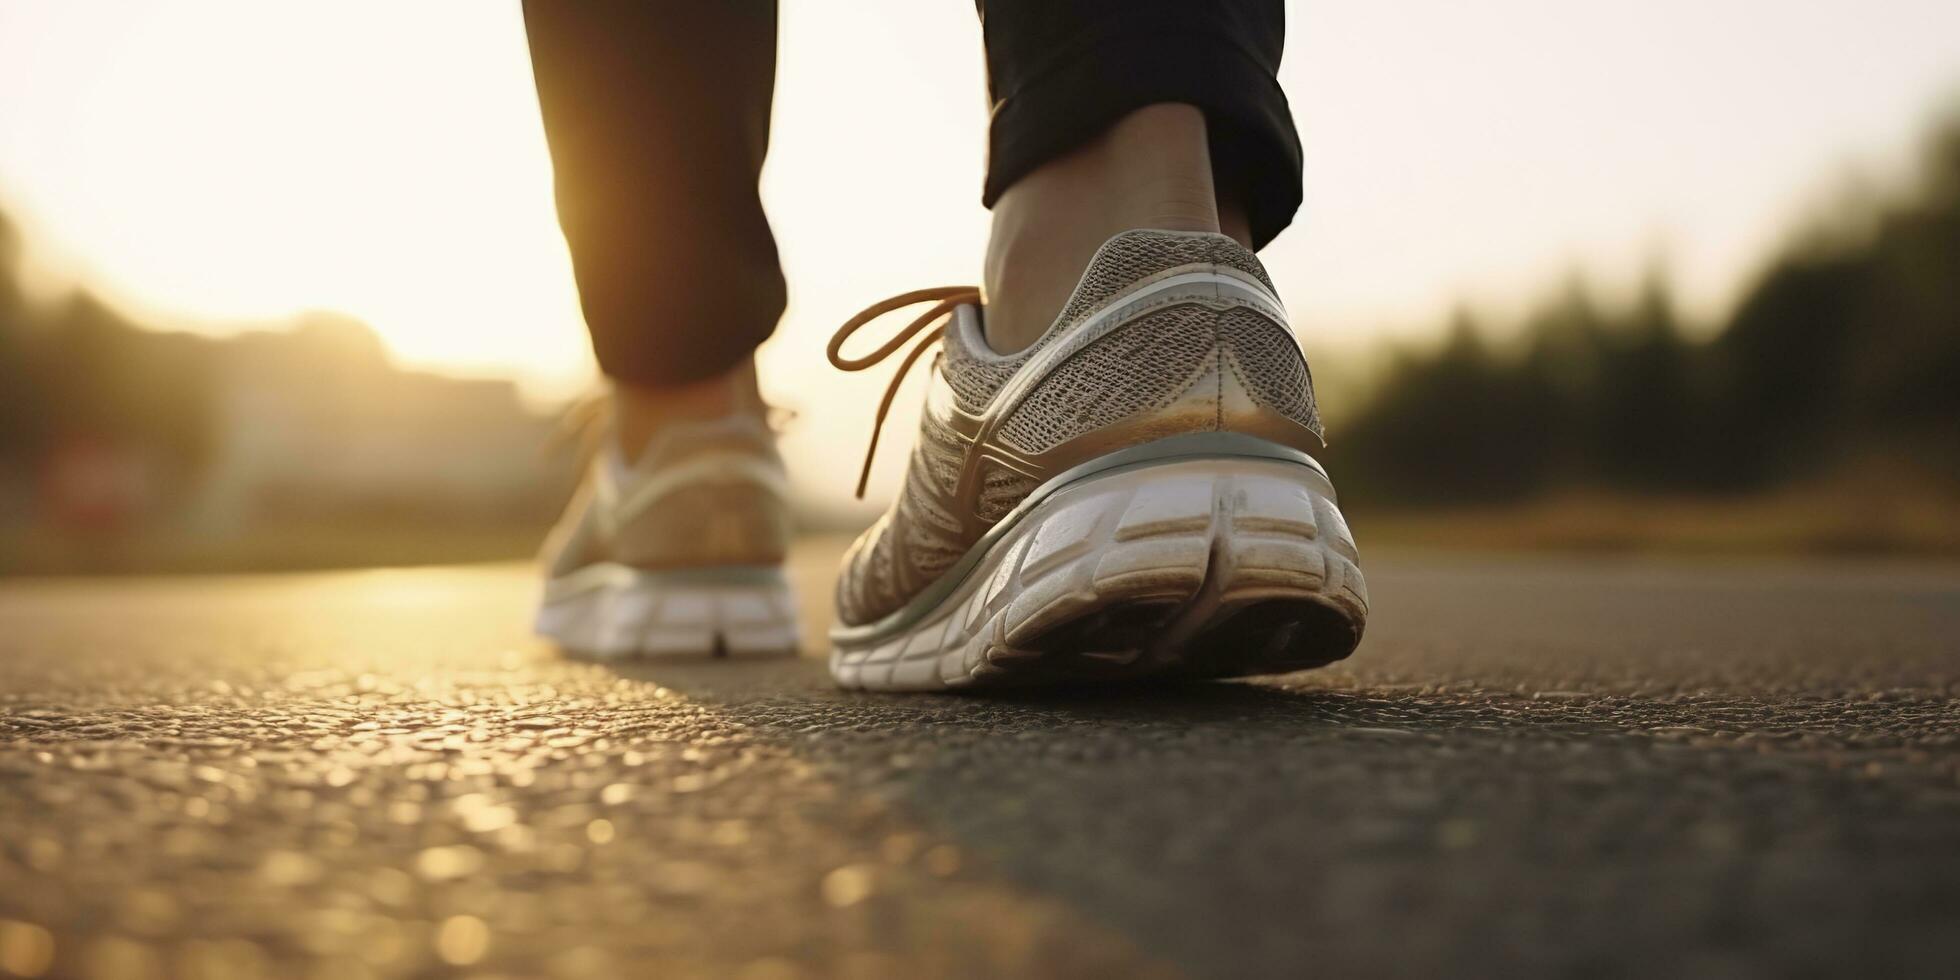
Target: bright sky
(246, 160)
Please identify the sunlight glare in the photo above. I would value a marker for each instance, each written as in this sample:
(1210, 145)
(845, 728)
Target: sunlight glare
(248, 162)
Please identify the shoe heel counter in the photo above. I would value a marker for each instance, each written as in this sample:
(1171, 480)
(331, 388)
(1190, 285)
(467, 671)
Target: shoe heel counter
(1194, 362)
(733, 523)
(1265, 382)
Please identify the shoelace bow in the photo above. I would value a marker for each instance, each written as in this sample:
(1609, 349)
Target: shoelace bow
(944, 300)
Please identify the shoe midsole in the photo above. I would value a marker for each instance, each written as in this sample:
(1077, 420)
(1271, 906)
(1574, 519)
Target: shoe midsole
(1195, 445)
(654, 613)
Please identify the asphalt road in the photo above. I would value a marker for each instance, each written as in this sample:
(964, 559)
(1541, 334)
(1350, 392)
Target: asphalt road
(1532, 767)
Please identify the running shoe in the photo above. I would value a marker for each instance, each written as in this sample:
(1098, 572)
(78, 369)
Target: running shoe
(680, 552)
(1132, 496)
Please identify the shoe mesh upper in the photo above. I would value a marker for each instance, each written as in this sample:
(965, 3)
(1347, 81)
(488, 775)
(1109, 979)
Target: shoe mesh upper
(975, 376)
(1266, 361)
(1001, 490)
(1133, 255)
(1141, 368)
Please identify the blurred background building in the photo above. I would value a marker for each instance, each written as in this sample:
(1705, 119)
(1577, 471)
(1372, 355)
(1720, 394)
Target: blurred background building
(283, 445)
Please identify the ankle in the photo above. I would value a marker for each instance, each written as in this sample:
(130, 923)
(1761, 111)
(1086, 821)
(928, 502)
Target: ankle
(1152, 169)
(639, 412)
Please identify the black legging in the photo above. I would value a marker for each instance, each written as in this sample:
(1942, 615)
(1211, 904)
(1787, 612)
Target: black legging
(657, 114)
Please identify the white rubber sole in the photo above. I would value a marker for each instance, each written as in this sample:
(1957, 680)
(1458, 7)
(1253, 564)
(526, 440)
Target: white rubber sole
(1209, 567)
(615, 612)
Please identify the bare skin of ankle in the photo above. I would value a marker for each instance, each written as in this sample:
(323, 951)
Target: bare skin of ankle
(640, 412)
(1152, 169)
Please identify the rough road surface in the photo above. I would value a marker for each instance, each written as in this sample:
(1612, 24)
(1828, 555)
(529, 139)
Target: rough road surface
(1531, 767)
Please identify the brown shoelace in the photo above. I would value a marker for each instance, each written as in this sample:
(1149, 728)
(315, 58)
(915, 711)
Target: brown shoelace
(943, 299)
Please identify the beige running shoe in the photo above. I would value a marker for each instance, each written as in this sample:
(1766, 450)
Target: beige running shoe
(1131, 496)
(679, 553)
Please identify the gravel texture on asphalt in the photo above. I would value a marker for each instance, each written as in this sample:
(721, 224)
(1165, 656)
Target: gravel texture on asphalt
(1531, 767)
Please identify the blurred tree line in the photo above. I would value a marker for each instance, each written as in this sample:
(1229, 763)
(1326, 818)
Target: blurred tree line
(1845, 350)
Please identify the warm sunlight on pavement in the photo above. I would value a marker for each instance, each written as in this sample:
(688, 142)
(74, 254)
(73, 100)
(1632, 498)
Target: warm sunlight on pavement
(379, 774)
